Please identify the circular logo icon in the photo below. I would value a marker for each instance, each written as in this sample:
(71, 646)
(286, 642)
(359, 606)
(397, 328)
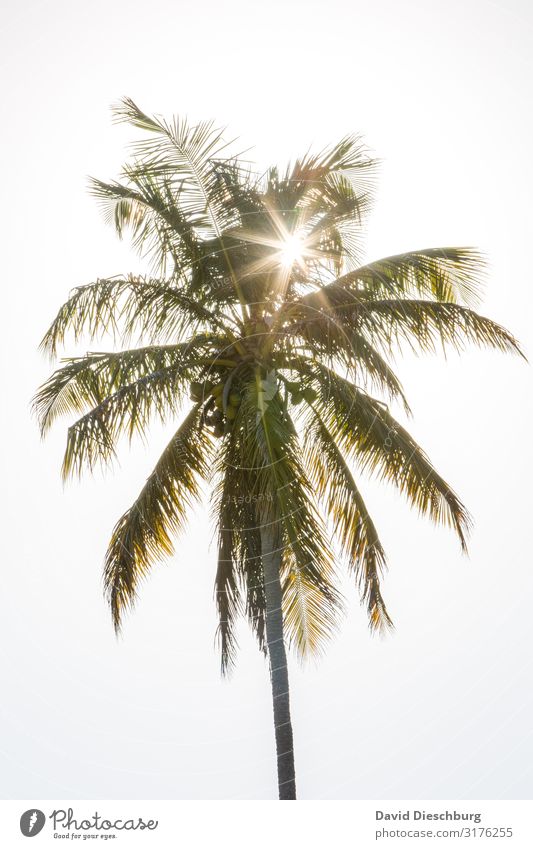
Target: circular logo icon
(32, 822)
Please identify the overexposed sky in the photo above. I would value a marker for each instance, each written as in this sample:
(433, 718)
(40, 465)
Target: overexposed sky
(442, 708)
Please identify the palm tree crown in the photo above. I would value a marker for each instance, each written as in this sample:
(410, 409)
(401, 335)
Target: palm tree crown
(259, 325)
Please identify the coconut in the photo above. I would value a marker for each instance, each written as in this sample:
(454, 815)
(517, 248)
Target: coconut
(196, 388)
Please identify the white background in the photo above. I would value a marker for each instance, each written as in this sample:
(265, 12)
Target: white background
(440, 709)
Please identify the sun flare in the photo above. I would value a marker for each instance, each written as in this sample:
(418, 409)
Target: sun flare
(292, 250)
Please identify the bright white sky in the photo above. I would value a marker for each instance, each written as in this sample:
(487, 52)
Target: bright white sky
(441, 709)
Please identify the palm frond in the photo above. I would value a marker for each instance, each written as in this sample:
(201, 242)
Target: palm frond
(144, 534)
(88, 381)
(335, 342)
(423, 324)
(450, 274)
(122, 306)
(151, 209)
(310, 601)
(128, 411)
(377, 442)
(227, 595)
(309, 610)
(239, 568)
(182, 154)
(390, 324)
(333, 222)
(352, 522)
(314, 174)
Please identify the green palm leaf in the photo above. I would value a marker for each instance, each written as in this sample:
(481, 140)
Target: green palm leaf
(310, 601)
(143, 535)
(366, 430)
(83, 382)
(352, 522)
(391, 324)
(446, 274)
(154, 309)
(128, 411)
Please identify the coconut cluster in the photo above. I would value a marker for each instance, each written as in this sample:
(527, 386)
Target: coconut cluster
(219, 412)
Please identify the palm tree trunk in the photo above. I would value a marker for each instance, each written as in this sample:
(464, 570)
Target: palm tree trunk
(279, 677)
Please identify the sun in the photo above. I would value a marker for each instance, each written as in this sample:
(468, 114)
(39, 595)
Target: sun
(292, 250)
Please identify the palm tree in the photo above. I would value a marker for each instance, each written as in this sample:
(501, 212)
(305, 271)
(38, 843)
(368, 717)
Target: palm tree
(258, 323)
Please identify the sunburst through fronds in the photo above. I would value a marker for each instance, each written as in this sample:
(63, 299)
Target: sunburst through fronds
(258, 311)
